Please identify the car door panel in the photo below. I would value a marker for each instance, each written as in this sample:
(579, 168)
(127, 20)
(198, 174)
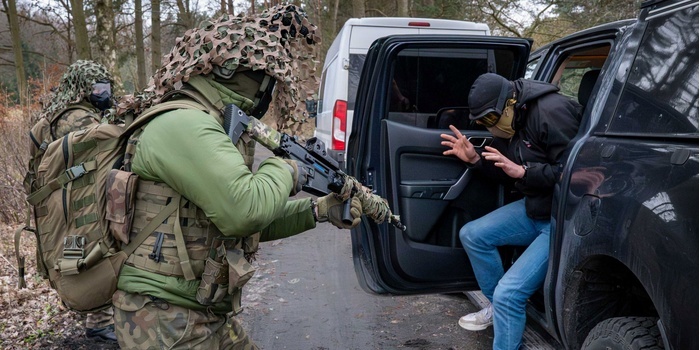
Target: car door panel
(424, 176)
(402, 159)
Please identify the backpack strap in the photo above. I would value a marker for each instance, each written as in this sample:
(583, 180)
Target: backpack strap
(21, 283)
(71, 174)
(160, 108)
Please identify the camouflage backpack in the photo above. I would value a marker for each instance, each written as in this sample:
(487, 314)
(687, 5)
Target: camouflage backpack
(81, 204)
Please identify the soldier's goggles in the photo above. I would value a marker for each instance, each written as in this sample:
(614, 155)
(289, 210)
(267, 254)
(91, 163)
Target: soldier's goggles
(488, 120)
(101, 86)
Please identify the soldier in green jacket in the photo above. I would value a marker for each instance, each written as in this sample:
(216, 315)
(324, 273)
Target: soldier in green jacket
(182, 286)
(79, 101)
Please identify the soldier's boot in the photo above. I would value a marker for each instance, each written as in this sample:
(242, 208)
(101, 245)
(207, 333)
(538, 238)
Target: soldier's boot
(104, 334)
(99, 326)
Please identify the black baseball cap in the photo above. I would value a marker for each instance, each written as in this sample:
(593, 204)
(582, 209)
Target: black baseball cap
(488, 94)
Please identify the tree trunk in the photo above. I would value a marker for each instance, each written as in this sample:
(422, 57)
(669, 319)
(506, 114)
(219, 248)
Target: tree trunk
(252, 7)
(11, 7)
(358, 8)
(82, 42)
(155, 35)
(334, 23)
(140, 50)
(402, 6)
(106, 46)
(185, 15)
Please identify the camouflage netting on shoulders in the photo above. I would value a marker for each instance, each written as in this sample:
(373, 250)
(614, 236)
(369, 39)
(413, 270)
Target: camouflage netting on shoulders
(279, 41)
(75, 85)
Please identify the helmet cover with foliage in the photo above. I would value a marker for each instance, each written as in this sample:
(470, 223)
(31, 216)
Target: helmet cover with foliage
(76, 85)
(279, 41)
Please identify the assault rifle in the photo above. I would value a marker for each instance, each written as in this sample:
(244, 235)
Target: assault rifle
(323, 173)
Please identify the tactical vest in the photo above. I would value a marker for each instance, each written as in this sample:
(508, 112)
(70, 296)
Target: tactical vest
(183, 243)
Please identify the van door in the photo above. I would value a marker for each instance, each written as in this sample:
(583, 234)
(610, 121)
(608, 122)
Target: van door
(411, 89)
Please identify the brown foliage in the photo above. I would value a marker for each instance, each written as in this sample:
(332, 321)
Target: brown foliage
(15, 121)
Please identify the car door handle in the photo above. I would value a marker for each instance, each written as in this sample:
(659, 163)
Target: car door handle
(457, 188)
(480, 141)
(680, 156)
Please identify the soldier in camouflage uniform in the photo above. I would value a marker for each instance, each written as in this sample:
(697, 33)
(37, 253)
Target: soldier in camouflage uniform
(182, 286)
(78, 102)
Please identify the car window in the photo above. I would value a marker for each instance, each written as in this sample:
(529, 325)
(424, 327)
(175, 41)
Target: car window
(327, 79)
(660, 95)
(354, 72)
(322, 92)
(574, 65)
(530, 70)
(426, 81)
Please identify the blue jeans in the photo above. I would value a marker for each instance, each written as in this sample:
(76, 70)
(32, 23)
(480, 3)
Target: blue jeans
(508, 225)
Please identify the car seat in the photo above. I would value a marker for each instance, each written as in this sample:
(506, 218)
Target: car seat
(586, 86)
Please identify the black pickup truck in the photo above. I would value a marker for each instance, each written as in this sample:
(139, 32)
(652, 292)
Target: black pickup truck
(623, 267)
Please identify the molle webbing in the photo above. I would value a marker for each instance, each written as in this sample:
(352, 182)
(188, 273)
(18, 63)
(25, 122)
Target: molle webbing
(189, 228)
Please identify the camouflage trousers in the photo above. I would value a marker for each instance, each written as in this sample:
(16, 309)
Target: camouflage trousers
(100, 319)
(141, 322)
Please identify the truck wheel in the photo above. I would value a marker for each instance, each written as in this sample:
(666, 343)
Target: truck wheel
(634, 333)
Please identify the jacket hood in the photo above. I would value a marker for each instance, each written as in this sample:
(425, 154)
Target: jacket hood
(528, 90)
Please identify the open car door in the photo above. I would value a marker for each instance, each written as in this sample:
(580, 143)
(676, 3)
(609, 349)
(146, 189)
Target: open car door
(411, 89)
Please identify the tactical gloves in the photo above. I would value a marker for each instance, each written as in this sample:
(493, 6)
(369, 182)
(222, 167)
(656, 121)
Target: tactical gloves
(330, 208)
(298, 176)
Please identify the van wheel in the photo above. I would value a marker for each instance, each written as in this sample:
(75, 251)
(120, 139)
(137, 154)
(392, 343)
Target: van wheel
(638, 333)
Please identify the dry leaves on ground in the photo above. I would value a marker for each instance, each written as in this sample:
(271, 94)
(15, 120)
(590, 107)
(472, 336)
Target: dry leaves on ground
(33, 317)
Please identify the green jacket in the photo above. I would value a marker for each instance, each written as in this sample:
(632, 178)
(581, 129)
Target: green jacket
(190, 152)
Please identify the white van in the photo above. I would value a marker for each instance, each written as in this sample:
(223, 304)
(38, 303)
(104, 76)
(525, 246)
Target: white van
(343, 65)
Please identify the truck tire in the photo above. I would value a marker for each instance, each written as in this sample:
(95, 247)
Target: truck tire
(633, 333)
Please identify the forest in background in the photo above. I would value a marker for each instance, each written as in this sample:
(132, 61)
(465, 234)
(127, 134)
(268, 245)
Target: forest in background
(40, 38)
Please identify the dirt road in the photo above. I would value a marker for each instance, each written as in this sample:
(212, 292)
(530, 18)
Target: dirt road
(305, 296)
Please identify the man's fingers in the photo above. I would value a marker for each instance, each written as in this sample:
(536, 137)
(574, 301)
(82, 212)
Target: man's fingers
(455, 130)
(492, 150)
(448, 137)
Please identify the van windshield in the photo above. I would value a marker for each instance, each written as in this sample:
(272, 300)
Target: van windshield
(354, 72)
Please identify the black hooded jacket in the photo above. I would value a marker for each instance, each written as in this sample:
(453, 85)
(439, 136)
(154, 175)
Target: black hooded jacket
(544, 123)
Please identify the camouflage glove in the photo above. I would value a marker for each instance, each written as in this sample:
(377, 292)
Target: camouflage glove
(299, 175)
(330, 208)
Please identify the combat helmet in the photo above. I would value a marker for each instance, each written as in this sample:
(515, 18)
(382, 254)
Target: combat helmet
(76, 85)
(278, 41)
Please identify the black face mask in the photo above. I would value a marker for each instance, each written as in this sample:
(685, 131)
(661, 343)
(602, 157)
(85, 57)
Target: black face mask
(101, 96)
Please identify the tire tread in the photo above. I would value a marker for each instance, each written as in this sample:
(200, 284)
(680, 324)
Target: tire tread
(628, 333)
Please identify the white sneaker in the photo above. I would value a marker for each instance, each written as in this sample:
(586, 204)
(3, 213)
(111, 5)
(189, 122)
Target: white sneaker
(478, 321)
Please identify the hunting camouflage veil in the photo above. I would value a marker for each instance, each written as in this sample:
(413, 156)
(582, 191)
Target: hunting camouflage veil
(76, 85)
(279, 41)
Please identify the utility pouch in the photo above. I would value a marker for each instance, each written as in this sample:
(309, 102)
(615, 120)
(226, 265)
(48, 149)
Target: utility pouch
(239, 270)
(121, 194)
(213, 287)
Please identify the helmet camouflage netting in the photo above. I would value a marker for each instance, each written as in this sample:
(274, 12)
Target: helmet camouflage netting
(76, 84)
(279, 41)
